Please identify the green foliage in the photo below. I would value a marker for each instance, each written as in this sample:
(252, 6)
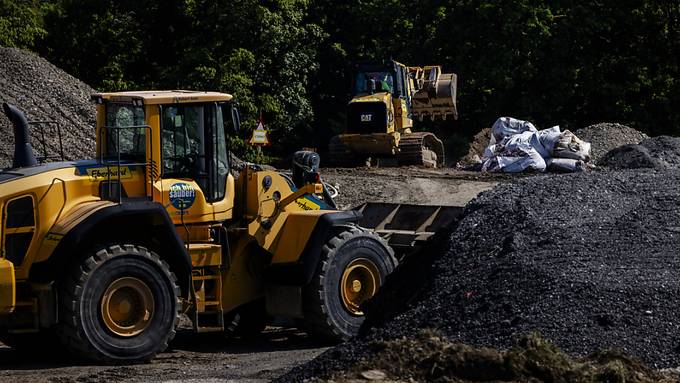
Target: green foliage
(246, 152)
(21, 23)
(553, 62)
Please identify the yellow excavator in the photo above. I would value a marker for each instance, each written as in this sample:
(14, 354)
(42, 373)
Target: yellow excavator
(386, 98)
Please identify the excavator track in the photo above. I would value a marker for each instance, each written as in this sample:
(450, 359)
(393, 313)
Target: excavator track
(421, 149)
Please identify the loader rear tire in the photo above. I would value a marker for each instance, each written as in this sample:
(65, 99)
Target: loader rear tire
(353, 265)
(119, 305)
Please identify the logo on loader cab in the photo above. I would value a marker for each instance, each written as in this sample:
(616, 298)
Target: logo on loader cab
(366, 117)
(97, 174)
(182, 195)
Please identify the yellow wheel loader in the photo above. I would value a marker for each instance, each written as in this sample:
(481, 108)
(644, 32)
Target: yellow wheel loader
(386, 97)
(106, 254)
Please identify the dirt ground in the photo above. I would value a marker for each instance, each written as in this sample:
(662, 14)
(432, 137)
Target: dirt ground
(191, 358)
(408, 185)
(212, 358)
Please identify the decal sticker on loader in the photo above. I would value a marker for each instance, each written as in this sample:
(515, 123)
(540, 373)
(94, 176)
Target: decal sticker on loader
(98, 174)
(307, 204)
(53, 238)
(182, 195)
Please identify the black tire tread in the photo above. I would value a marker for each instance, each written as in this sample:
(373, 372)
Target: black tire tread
(316, 318)
(72, 286)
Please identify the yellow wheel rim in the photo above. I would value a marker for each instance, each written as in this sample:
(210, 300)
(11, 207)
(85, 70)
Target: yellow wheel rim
(127, 307)
(359, 282)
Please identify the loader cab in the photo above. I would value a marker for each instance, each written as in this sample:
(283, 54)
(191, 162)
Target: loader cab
(170, 147)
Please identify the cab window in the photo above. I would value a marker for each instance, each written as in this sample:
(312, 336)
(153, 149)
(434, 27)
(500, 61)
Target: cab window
(383, 81)
(194, 147)
(121, 131)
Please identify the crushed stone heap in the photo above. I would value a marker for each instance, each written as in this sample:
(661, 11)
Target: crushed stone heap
(662, 152)
(588, 260)
(44, 92)
(606, 136)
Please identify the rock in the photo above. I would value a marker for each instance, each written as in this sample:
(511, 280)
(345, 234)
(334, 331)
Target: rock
(373, 375)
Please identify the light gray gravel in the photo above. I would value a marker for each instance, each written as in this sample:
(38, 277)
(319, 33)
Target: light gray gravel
(45, 92)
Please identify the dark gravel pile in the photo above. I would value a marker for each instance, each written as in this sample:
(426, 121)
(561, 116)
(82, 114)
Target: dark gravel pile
(589, 260)
(607, 136)
(661, 152)
(45, 92)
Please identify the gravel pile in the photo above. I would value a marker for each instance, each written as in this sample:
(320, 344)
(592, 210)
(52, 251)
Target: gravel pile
(589, 260)
(661, 152)
(607, 136)
(45, 92)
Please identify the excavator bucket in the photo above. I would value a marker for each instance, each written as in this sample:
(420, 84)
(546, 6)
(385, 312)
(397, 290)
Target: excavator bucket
(435, 93)
(406, 227)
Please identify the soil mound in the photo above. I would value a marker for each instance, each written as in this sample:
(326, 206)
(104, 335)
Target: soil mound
(588, 260)
(474, 155)
(607, 136)
(45, 93)
(429, 357)
(661, 152)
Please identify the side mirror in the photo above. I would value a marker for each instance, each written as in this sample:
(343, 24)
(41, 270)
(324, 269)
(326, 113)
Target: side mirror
(235, 117)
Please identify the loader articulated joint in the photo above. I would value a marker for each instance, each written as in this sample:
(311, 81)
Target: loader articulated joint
(300, 273)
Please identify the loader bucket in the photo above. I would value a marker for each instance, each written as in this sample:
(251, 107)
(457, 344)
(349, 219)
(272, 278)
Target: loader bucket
(437, 95)
(406, 227)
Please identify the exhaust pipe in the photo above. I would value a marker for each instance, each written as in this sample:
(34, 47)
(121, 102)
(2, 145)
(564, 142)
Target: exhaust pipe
(23, 152)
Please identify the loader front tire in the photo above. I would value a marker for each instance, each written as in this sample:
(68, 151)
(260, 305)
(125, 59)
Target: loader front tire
(119, 305)
(353, 265)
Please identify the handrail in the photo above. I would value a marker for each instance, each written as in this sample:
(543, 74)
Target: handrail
(118, 161)
(41, 124)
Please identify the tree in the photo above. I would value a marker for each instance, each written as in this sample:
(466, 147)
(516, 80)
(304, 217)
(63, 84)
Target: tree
(21, 23)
